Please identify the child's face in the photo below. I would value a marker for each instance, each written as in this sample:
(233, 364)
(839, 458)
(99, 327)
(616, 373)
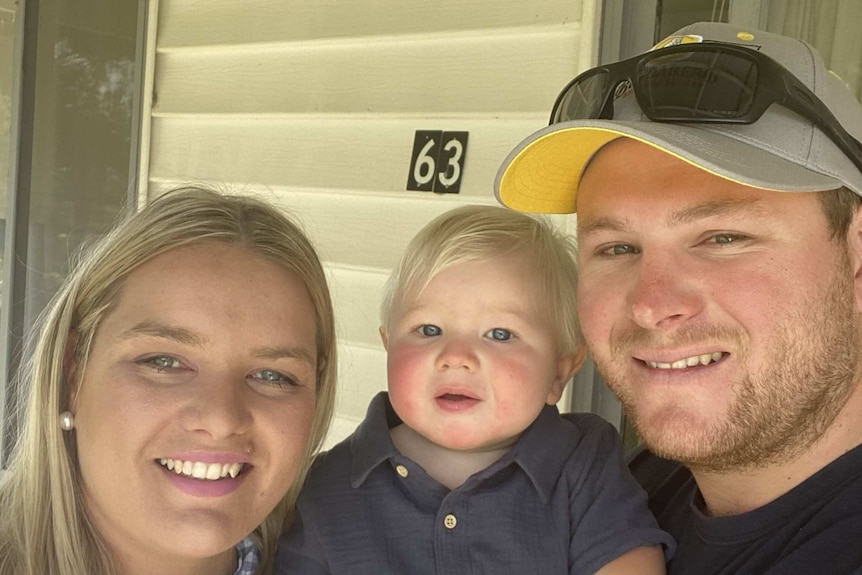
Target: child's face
(472, 360)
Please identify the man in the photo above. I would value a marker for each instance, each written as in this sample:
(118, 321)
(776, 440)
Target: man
(721, 286)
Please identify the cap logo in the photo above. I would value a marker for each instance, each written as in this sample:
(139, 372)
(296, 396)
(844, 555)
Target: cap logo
(679, 39)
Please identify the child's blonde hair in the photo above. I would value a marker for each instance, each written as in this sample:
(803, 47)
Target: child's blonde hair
(479, 233)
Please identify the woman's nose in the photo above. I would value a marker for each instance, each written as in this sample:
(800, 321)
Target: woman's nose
(219, 409)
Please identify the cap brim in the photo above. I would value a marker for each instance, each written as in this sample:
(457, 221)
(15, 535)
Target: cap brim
(542, 174)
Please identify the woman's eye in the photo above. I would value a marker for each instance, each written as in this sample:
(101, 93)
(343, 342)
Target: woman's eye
(429, 330)
(499, 334)
(273, 377)
(163, 362)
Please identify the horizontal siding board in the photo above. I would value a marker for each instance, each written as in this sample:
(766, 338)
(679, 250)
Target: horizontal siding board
(341, 427)
(314, 105)
(356, 295)
(213, 22)
(362, 373)
(357, 229)
(499, 73)
(367, 152)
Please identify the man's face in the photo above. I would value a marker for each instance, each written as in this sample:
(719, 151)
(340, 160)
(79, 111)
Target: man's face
(723, 316)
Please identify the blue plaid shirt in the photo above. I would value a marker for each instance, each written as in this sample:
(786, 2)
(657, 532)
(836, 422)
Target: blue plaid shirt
(247, 557)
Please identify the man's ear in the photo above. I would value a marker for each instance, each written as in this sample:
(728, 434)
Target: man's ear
(70, 367)
(854, 241)
(383, 337)
(567, 366)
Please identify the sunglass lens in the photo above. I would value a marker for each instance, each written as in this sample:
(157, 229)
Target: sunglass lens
(583, 99)
(699, 85)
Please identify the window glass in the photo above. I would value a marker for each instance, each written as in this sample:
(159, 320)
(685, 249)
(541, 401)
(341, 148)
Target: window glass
(7, 49)
(831, 27)
(81, 133)
(674, 14)
(75, 145)
(8, 11)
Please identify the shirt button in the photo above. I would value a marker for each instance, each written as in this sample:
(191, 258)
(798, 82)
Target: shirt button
(450, 521)
(401, 470)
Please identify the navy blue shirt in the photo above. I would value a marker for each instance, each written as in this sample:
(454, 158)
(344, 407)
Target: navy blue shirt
(560, 501)
(814, 528)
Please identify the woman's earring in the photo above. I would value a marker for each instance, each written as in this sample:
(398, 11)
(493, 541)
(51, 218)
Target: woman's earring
(67, 421)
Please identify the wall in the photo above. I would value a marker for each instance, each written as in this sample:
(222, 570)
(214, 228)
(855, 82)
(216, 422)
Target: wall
(314, 105)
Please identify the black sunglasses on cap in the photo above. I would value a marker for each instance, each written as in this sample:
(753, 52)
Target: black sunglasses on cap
(699, 83)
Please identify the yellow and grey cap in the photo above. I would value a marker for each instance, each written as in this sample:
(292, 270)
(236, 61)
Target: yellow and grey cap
(781, 151)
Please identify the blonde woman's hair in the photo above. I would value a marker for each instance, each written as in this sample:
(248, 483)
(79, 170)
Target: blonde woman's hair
(480, 233)
(44, 528)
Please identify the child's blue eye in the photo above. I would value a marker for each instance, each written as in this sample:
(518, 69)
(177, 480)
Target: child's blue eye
(499, 334)
(430, 330)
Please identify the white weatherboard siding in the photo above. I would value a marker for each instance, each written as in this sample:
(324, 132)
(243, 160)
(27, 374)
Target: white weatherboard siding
(314, 105)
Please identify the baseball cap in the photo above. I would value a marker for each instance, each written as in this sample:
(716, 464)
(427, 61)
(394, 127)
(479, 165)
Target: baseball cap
(780, 151)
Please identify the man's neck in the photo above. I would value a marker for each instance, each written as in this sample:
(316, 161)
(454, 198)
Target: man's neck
(742, 490)
(450, 468)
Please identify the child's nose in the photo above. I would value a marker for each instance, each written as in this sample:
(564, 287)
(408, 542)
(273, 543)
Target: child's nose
(457, 354)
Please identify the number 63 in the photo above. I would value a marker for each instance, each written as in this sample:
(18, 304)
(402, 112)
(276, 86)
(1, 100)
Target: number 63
(431, 159)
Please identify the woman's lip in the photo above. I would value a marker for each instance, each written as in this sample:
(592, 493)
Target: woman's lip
(205, 487)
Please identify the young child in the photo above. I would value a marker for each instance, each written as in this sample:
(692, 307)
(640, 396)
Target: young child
(466, 466)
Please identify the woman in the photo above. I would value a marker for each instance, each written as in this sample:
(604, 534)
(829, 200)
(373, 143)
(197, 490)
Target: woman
(182, 378)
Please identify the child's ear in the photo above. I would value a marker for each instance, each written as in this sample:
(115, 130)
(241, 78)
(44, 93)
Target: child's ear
(567, 366)
(383, 337)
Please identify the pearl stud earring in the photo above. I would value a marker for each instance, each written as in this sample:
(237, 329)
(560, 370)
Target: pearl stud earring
(67, 421)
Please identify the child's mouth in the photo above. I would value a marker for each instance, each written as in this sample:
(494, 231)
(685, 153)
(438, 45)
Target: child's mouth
(456, 401)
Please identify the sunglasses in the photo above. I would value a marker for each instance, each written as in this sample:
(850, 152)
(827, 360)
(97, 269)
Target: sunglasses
(700, 83)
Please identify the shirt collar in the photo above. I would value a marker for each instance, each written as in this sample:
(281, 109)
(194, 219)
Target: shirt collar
(544, 449)
(247, 557)
(541, 452)
(371, 444)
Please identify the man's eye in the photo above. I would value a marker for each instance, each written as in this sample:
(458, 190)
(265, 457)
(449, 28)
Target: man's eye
(619, 250)
(725, 239)
(429, 330)
(499, 334)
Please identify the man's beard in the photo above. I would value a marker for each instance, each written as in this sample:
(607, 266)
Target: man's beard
(774, 415)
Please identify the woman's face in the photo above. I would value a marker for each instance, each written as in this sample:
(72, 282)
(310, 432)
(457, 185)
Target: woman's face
(195, 408)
